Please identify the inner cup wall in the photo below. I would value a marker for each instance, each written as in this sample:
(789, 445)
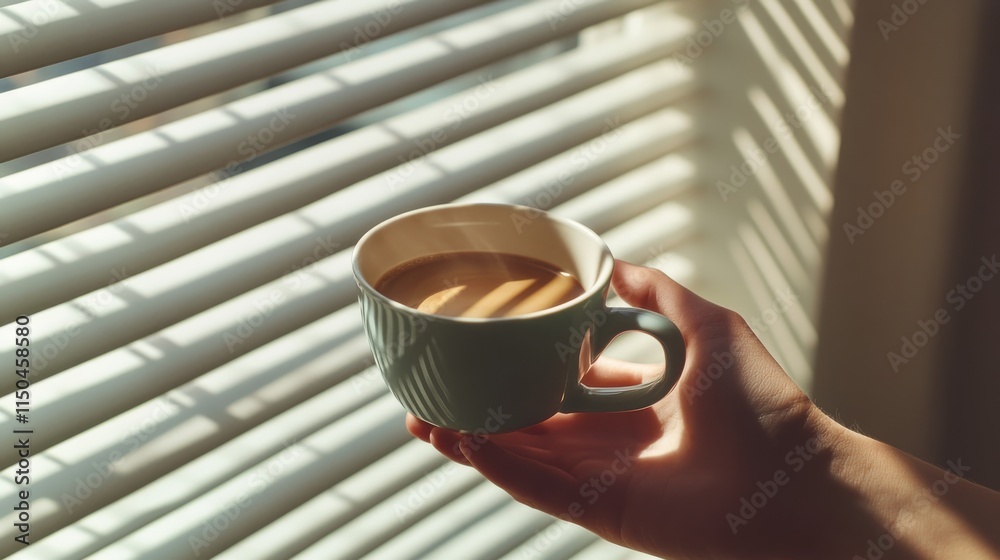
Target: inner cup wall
(483, 227)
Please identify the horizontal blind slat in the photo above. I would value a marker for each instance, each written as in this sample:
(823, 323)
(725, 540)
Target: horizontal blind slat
(493, 535)
(166, 294)
(423, 536)
(602, 550)
(631, 194)
(122, 91)
(36, 34)
(132, 374)
(219, 138)
(338, 409)
(397, 513)
(346, 324)
(555, 541)
(175, 427)
(612, 156)
(650, 232)
(314, 519)
(76, 393)
(323, 458)
(192, 221)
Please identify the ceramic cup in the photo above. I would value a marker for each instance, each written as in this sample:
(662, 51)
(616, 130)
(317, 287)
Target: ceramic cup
(502, 374)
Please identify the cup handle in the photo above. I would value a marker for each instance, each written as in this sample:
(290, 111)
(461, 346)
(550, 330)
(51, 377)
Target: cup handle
(581, 398)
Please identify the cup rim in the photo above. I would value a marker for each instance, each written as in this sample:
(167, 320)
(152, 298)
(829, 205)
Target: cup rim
(604, 277)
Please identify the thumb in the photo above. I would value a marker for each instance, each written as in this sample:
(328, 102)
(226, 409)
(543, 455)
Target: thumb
(648, 288)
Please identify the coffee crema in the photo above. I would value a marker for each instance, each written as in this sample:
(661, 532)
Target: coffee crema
(478, 284)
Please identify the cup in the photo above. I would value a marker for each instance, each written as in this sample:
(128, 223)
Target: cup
(502, 374)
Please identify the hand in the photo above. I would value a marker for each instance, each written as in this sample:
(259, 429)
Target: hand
(662, 479)
(736, 462)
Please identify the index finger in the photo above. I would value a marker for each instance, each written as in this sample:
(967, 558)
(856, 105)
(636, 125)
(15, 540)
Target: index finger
(649, 288)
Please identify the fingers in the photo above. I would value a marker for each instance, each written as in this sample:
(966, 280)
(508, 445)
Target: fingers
(447, 443)
(530, 442)
(609, 372)
(418, 428)
(651, 289)
(528, 481)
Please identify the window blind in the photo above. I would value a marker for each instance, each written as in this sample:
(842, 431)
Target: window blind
(36, 34)
(201, 385)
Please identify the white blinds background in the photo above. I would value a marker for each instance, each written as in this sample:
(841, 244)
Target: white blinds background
(202, 385)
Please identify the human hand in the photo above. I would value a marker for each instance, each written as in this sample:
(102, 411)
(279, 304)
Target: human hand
(663, 479)
(735, 462)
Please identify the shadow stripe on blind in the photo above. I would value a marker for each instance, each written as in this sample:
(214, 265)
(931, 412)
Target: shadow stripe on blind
(191, 450)
(48, 32)
(341, 326)
(145, 84)
(162, 296)
(383, 483)
(212, 140)
(182, 422)
(211, 213)
(126, 379)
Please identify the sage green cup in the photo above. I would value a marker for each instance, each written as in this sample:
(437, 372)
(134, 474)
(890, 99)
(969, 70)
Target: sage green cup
(502, 374)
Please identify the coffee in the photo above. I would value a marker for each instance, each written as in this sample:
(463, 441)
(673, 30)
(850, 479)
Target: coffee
(478, 284)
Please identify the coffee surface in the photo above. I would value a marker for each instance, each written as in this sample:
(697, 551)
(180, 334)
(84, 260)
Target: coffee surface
(478, 284)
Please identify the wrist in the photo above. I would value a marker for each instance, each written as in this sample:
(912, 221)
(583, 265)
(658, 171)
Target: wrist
(903, 507)
(822, 514)
(839, 509)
